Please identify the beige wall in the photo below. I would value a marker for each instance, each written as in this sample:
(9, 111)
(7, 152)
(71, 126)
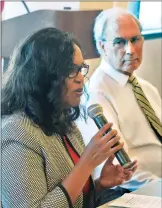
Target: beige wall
(121, 4)
(95, 5)
(93, 63)
(151, 67)
(101, 5)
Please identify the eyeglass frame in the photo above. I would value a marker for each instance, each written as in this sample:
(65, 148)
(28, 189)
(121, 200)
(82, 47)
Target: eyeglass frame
(124, 40)
(77, 69)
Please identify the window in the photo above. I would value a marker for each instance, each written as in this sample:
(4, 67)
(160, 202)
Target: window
(150, 15)
(13, 9)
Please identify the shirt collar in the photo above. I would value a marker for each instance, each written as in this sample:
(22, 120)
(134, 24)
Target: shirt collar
(122, 79)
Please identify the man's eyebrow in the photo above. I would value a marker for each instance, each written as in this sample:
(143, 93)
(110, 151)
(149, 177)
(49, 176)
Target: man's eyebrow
(119, 38)
(122, 38)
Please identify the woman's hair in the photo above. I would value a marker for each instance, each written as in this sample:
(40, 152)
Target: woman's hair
(37, 72)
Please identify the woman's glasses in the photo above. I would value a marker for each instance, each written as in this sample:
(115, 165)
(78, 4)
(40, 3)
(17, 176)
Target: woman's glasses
(83, 69)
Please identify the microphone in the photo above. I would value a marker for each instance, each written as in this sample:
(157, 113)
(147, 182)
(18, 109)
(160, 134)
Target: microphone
(95, 112)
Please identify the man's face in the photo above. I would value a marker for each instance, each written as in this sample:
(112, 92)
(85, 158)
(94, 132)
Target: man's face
(123, 44)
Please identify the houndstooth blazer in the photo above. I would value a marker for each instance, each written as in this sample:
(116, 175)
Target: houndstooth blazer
(34, 164)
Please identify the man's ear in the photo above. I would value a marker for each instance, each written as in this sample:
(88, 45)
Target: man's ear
(143, 39)
(102, 45)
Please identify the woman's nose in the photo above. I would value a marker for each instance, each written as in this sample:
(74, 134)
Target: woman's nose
(79, 78)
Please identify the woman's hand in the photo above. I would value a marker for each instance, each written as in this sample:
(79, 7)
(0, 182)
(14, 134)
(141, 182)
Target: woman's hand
(101, 147)
(114, 175)
(98, 150)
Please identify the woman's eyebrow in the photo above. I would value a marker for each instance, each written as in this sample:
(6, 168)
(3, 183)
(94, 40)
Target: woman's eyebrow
(79, 65)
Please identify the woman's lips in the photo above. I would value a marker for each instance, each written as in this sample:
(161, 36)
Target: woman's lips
(79, 92)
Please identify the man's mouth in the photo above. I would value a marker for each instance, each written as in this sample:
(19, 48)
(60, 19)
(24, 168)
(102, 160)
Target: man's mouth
(130, 60)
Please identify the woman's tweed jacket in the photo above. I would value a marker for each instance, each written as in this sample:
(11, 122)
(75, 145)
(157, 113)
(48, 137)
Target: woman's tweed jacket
(33, 165)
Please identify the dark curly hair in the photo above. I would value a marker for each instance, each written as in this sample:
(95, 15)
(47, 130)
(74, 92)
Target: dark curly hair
(37, 72)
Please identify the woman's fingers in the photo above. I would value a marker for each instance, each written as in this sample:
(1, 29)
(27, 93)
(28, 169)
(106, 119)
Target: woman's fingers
(132, 166)
(110, 159)
(117, 148)
(103, 130)
(128, 176)
(128, 172)
(111, 150)
(113, 141)
(103, 145)
(135, 167)
(109, 136)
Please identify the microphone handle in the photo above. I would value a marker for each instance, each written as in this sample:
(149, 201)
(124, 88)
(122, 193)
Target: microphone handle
(121, 155)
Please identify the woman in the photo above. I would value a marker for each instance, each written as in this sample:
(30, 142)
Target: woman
(44, 162)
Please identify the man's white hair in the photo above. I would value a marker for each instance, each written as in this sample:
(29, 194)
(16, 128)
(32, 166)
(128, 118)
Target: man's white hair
(104, 18)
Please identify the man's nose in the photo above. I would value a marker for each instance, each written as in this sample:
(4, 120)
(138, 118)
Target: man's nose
(129, 48)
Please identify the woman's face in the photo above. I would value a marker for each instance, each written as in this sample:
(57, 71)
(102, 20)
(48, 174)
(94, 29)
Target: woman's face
(74, 86)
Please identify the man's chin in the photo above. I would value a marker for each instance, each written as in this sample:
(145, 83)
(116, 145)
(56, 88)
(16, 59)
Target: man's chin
(128, 71)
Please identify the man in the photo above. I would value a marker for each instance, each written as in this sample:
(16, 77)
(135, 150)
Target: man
(119, 41)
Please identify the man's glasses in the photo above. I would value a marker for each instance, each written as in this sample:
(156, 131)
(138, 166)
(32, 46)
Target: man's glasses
(121, 42)
(83, 69)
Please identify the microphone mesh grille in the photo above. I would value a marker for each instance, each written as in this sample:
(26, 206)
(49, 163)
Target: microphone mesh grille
(94, 110)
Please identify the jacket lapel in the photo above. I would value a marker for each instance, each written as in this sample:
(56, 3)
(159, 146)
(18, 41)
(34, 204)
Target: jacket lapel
(76, 140)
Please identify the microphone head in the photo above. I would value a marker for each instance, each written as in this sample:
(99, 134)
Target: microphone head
(94, 110)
